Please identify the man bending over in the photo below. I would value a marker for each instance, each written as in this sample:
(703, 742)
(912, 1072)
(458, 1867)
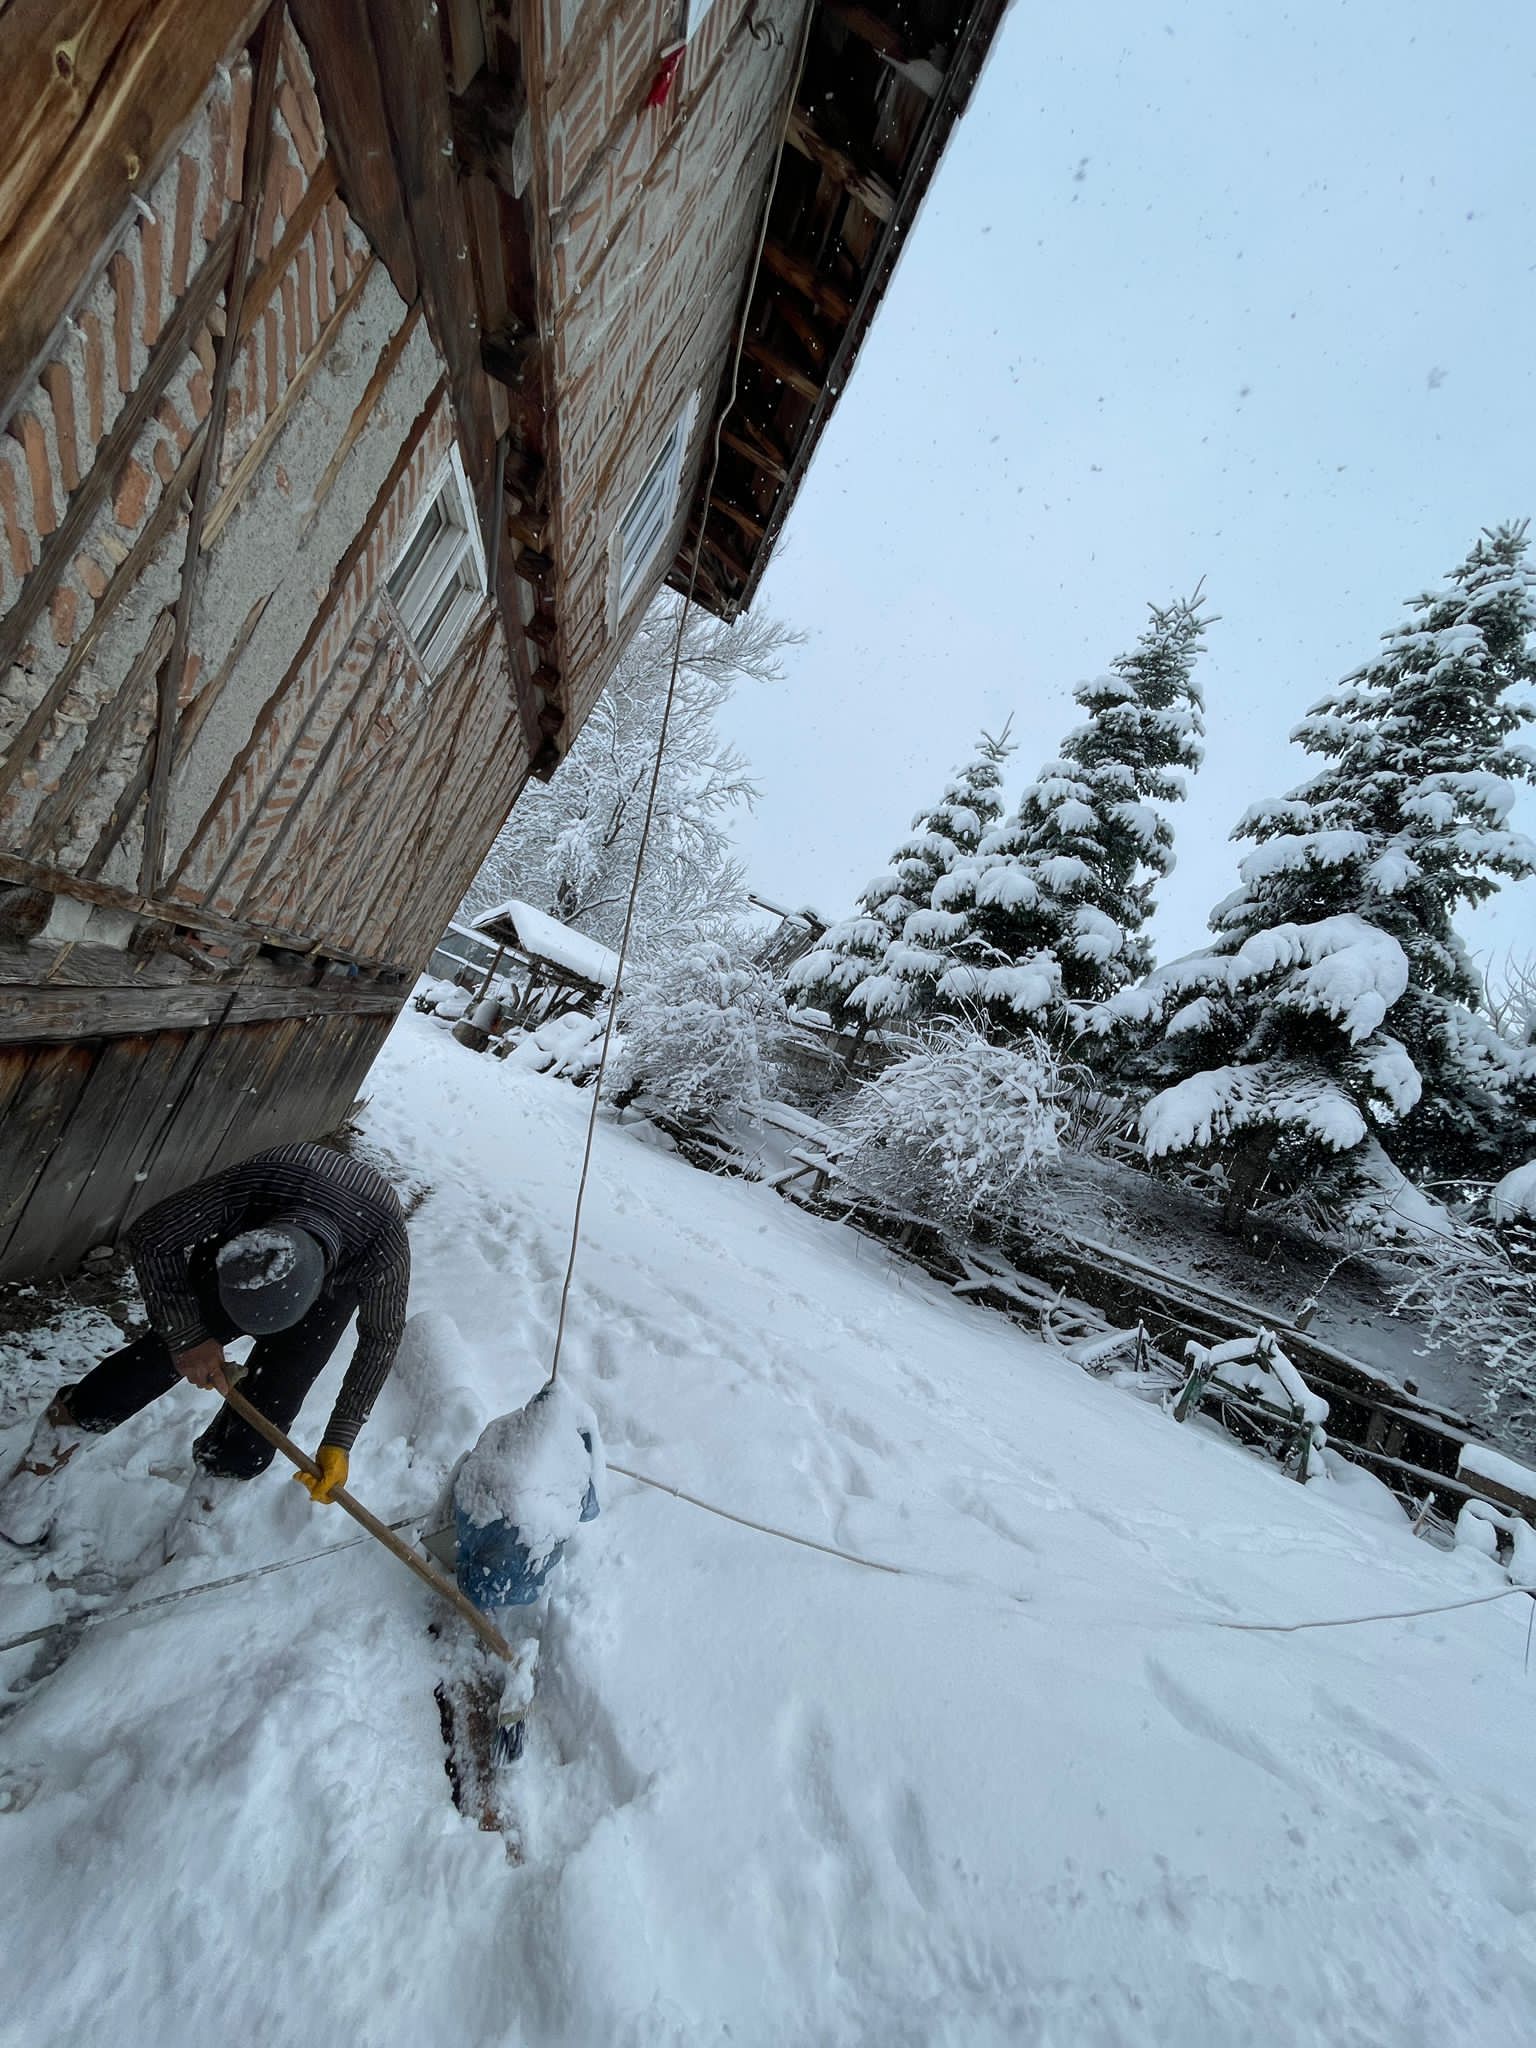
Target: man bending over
(285, 1248)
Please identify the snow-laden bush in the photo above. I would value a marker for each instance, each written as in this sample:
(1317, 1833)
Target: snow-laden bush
(960, 1131)
(700, 1028)
(1473, 1290)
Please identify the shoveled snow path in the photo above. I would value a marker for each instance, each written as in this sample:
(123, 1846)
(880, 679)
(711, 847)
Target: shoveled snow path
(1027, 1793)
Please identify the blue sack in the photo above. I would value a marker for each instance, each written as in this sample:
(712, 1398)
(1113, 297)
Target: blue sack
(494, 1566)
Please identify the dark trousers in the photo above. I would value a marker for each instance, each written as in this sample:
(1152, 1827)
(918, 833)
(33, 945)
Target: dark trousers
(280, 1372)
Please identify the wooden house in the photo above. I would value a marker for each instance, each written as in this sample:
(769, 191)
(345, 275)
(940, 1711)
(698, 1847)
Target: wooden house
(365, 368)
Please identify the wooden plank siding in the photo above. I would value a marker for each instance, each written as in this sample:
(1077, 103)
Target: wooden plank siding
(114, 1126)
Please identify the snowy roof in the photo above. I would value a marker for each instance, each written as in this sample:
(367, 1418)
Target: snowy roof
(804, 915)
(545, 938)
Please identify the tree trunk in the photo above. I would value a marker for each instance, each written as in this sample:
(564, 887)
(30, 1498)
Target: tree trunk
(1245, 1177)
(853, 1050)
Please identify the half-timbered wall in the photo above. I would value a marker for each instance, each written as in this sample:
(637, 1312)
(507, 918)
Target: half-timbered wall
(235, 811)
(651, 215)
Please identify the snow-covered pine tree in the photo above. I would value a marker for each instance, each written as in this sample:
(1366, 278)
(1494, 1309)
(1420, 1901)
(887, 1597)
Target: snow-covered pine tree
(1268, 1057)
(1272, 1045)
(1052, 909)
(858, 971)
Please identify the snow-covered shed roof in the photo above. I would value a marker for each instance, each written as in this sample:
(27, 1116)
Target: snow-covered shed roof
(547, 940)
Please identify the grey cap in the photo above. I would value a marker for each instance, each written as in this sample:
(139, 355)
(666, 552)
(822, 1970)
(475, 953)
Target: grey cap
(270, 1277)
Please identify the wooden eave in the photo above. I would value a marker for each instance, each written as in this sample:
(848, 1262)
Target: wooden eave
(421, 107)
(882, 87)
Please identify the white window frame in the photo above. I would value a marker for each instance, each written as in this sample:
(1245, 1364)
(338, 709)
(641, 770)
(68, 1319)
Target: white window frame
(648, 517)
(457, 556)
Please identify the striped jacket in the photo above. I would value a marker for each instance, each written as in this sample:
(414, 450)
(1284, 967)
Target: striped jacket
(347, 1206)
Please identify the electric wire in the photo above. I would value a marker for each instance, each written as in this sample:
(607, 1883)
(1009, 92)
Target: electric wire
(666, 711)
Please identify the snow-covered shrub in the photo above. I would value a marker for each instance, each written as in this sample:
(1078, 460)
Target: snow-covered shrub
(960, 1131)
(699, 1033)
(571, 844)
(1473, 1291)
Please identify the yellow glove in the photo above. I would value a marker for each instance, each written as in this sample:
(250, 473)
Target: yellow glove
(333, 1473)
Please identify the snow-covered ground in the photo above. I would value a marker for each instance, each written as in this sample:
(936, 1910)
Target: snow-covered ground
(1029, 1788)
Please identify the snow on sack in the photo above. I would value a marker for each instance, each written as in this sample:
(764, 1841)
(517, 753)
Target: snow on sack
(533, 1469)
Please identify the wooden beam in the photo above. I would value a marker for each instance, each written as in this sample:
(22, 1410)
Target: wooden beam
(191, 916)
(485, 118)
(62, 1014)
(867, 186)
(321, 615)
(511, 356)
(527, 481)
(466, 41)
(813, 340)
(320, 189)
(338, 37)
(498, 539)
(781, 367)
(250, 463)
(363, 411)
(977, 29)
(407, 48)
(258, 141)
(752, 528)
(803, 275)
(506, 593)
(881, 35)
(165, 358)
(94, 97)
(713, 545)
(529, 530)
(23, 914)
(124, 583)
(771, 463)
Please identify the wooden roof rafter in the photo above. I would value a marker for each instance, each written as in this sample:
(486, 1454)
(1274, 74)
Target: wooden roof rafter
(882, 87)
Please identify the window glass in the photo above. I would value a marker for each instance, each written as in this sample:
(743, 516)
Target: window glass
(644, 525)
(440, 576)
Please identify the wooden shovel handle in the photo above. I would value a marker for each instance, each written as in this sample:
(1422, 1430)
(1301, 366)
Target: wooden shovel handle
(412, 1559)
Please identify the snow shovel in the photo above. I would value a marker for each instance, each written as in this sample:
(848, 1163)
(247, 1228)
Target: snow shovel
(514, 1704)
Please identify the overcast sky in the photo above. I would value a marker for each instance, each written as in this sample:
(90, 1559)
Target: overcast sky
(1237, 291)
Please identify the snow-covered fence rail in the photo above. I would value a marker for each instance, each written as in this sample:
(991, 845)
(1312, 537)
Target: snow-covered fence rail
(1080, 1287)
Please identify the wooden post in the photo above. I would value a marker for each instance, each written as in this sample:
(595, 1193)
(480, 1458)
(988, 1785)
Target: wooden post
(267, 43)
(490, 973)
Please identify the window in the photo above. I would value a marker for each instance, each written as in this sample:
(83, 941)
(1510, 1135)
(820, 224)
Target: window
(697, 9)
(439, 580)
(648, 520)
